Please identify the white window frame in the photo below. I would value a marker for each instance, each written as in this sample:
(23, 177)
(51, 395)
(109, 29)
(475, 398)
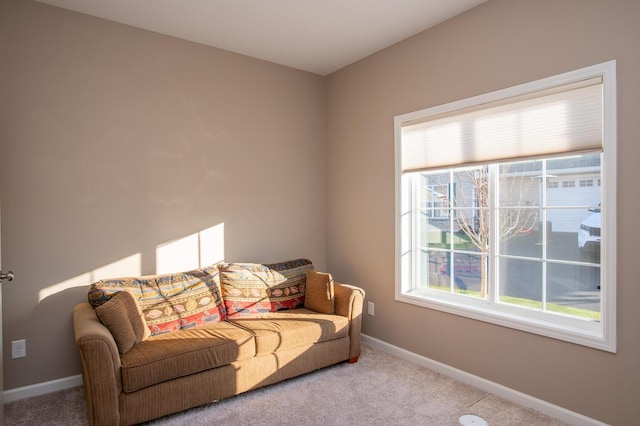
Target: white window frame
(600, 335)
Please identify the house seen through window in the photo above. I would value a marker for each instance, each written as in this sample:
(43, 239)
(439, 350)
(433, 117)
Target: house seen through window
(485, 230)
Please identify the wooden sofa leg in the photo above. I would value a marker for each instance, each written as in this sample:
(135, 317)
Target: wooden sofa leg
(353, 360)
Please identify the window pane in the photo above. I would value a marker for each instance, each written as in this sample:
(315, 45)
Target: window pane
(519, 208)
(582, 162)
(575, 236)
(525, 244)
(463, 278)
(521, 282)
(467, 274)
(520, 184)
(574, 290)
(434, 233)
(518, 220)
(433, 200)
(471, 208)
(434, 266)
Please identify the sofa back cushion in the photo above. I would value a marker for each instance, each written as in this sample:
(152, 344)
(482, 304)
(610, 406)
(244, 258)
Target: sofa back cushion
(122, 316)
(252, 288)
(169, 302)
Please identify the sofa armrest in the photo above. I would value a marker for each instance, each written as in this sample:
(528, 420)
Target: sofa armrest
(100, 366)
(349, 303)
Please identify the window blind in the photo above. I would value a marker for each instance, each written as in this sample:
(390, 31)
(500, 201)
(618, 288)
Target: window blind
(564, 119)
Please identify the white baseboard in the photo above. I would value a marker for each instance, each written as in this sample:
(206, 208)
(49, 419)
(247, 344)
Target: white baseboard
(484, 384)
(42, 388)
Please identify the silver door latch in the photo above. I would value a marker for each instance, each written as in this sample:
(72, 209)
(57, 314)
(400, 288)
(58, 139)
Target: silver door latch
(8, 276)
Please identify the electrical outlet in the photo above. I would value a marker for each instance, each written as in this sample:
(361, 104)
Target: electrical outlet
(18, 349)
(370, 308)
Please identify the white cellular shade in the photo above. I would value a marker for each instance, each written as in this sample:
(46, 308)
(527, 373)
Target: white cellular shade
(560, 120)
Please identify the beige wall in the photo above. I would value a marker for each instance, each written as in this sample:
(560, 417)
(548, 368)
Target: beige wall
(114, 141)
(496, 45)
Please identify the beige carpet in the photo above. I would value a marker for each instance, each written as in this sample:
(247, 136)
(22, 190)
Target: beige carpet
(379, 389)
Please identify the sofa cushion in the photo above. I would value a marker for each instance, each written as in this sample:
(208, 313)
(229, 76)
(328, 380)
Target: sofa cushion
(122, 316)
(169, 302)
(319, 295)
(252, 288)
(184, 352)
(278, 331)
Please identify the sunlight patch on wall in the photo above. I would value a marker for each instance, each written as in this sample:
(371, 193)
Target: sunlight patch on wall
(191, 252)
(178, 255)
(126, 267)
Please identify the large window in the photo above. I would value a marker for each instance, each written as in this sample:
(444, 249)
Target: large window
(483, 228)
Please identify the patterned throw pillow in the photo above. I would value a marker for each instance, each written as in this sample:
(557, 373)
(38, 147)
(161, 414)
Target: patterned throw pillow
(252, 288)
(169, 302)
(319, 296)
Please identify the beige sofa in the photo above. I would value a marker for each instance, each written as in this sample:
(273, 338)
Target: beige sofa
(156, 345)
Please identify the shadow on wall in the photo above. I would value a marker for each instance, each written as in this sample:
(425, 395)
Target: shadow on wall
(193, 251)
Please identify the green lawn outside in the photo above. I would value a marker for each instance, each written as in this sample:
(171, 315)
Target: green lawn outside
(533, 304)
(442, 239)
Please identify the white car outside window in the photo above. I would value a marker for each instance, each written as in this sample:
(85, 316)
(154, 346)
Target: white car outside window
(589, 232)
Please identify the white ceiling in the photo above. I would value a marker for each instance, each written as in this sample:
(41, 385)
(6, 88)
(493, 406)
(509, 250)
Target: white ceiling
(319, 36)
